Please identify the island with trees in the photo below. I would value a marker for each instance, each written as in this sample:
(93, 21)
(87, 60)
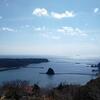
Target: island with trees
(15, 63)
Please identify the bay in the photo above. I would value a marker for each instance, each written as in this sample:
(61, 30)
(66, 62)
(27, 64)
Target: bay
(78, 72)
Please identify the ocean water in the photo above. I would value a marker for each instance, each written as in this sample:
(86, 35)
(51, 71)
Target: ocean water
(60, 65)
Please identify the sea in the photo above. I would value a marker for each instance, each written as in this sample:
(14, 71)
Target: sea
(71, 71)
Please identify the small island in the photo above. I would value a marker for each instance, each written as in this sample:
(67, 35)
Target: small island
(96, 70)
(50, 71)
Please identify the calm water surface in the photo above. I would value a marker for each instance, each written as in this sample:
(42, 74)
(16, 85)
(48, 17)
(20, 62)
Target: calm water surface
(60, 65)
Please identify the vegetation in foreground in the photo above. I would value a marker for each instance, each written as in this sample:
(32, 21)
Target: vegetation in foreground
(22, 90)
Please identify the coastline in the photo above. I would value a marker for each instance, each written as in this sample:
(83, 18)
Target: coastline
(16, 63)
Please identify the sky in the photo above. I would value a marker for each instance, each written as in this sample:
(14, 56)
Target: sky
(68, 28)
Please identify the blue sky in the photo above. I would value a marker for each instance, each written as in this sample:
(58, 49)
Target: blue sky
(68, 28)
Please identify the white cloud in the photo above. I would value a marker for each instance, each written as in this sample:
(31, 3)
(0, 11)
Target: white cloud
(1, 17)
(66, 14)
(44, 12)
(40, 28)
(8, 29)
(25, 26)
(40, 12)
(71, 31)
(37, 29)
(96, 10)
(46, 33)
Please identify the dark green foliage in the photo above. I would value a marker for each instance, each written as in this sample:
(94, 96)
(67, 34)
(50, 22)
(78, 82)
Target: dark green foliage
(21, 90)
(9, 63)
(91, 91)
(14, 89)
(36, 90)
